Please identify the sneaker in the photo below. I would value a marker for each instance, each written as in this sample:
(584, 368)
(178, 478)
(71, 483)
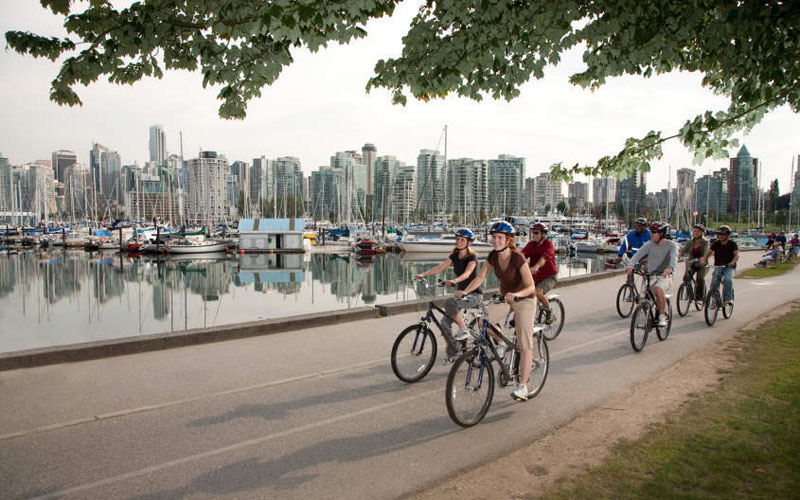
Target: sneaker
(520, 392)
(461, 334)
(662, 320)
(728, 302)
(548, 319)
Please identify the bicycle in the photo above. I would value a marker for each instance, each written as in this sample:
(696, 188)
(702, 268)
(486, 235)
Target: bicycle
(414, 350)
(714, 300)
(628, 297)
(687, 293)
(470, 384)
(552, 330)
(644, 317)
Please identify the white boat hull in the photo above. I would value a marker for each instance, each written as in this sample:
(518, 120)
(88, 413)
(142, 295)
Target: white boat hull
(198, 248)
(439, 246)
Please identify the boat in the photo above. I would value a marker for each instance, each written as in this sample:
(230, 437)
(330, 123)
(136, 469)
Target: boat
(444, 243)
(366, 246)
(195, 244)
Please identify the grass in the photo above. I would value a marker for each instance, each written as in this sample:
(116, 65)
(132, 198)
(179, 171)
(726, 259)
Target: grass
(767, 272)
(741, 441)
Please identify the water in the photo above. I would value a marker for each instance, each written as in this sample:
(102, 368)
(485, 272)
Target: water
(64, 297)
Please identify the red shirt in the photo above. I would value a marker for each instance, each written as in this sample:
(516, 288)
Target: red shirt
(535, 252)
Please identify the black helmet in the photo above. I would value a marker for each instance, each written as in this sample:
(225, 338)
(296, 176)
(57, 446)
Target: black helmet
(465, 233)
(659, 227)
(540, 227)
(724, 229)
(641, 220)
(502, 227)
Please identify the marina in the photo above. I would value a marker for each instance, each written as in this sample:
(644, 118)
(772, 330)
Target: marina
(63, 296)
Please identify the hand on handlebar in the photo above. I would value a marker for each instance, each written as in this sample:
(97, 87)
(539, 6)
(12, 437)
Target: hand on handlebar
(449, 283)
(511, 298)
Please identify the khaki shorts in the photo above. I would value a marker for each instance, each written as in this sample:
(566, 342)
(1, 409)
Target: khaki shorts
(547, 284)
(524, 311)
(662, 283)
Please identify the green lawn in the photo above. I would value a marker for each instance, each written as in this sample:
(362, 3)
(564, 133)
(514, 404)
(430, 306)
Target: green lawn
(741, 441)
(767, 272)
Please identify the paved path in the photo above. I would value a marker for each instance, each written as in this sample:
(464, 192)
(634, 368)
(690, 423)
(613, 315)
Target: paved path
(312, 413)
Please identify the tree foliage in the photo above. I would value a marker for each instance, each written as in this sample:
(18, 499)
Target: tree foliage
(747, 51)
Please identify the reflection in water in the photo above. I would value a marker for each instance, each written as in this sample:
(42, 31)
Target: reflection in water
(64, 297)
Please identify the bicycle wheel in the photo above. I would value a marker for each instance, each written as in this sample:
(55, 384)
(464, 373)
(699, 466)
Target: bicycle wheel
(413, 353)
(684, 298)
(470, 389)
(712, 307)
(626, 299)
(540, 366)
(663, 333)
(552, 331)
(640, 326)
(727, 310)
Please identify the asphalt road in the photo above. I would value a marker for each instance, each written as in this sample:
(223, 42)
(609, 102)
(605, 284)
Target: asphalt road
(315, 413)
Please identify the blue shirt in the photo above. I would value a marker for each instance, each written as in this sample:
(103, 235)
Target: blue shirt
(634, 241)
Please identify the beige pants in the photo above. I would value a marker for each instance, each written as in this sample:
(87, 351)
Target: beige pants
(524, 311)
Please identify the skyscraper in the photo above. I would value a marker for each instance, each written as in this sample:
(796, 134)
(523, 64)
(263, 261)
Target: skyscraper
(604, 191)
(466, 188)
(384, 176)
(62, 161)
(404, 194)
(546, 196)
(578, 196)
(288, 187)
(206, 202)
(158, 145)
(369, 154)
(106, 169)
(630, 196)
(742, 184)
(6, 204)
(430, 183)
(506, 180)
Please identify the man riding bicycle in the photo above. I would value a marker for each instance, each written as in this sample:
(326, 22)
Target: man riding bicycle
(694, 249)
(662, 257)
(542, 255)
(465, 265)
(726, 254)
(634, 240)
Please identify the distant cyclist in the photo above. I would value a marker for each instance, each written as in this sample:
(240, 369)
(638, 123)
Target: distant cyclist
(726, 254)
(634, 240)
(694, 249)
(662, 257)
(542, 254)
(465, 265)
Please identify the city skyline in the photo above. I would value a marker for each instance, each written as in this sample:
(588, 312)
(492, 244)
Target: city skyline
(318, 107)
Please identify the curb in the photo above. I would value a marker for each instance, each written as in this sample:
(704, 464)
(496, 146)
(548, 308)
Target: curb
(160, 341)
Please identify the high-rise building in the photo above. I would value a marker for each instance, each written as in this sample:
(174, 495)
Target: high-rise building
(369, 154)
(578, 196)
(289, 187)
(384, 175)
(712, 197)
(325, 197)
(106, 169)
(404, 194)
(353, 188)
(261, 184)
(207, 196)
(430, 183)
(77, 193)
(630, 196)
(529, 195)
(546, 195)
(63, 160)
(506, 180)
(158, 145)
(41, 194)
(604, 191)
(467, 188)
(742, 183)
(6, 198)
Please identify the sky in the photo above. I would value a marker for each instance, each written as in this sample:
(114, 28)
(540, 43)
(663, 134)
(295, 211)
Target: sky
(319, 106)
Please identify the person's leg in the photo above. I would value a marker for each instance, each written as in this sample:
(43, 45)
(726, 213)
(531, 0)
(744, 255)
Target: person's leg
(728, 283)
(700, 283)
(523, 318)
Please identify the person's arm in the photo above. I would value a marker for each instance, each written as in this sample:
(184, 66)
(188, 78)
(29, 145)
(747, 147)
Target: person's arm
(477, 282)
(735, 258)
(623, 247)
(527, 280)
(471, 265)
(673, 260)
(639, 255)
(704, 258)
(436, 270)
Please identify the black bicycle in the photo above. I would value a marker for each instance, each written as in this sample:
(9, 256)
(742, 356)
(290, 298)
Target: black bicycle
(714, 302)
(688, 293)
(644, 317)
(553, 328)
(628, 297)
(414, 350)
(470, 384)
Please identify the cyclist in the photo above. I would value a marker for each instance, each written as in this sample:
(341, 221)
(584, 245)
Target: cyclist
(694, 249)
(794, 248)
(542, 255)
(726, 253)
(634, 240)
(465, 265)
(516, 284)
(662, 257)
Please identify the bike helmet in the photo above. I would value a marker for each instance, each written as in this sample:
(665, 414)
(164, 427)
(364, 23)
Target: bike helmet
(502, 227)
(465, 233)
(724, 229)
(659, 227)
(539, 227)
(641, 220)
(700, 227)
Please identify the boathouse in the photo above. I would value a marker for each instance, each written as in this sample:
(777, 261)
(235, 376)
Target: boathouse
(271, 235)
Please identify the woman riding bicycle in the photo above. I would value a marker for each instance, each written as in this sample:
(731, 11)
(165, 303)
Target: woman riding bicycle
(465, 264)
(694, 249)
(726, 253)
(518, 288)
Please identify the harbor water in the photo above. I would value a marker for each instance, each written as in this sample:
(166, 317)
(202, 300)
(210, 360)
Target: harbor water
(60, 297)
